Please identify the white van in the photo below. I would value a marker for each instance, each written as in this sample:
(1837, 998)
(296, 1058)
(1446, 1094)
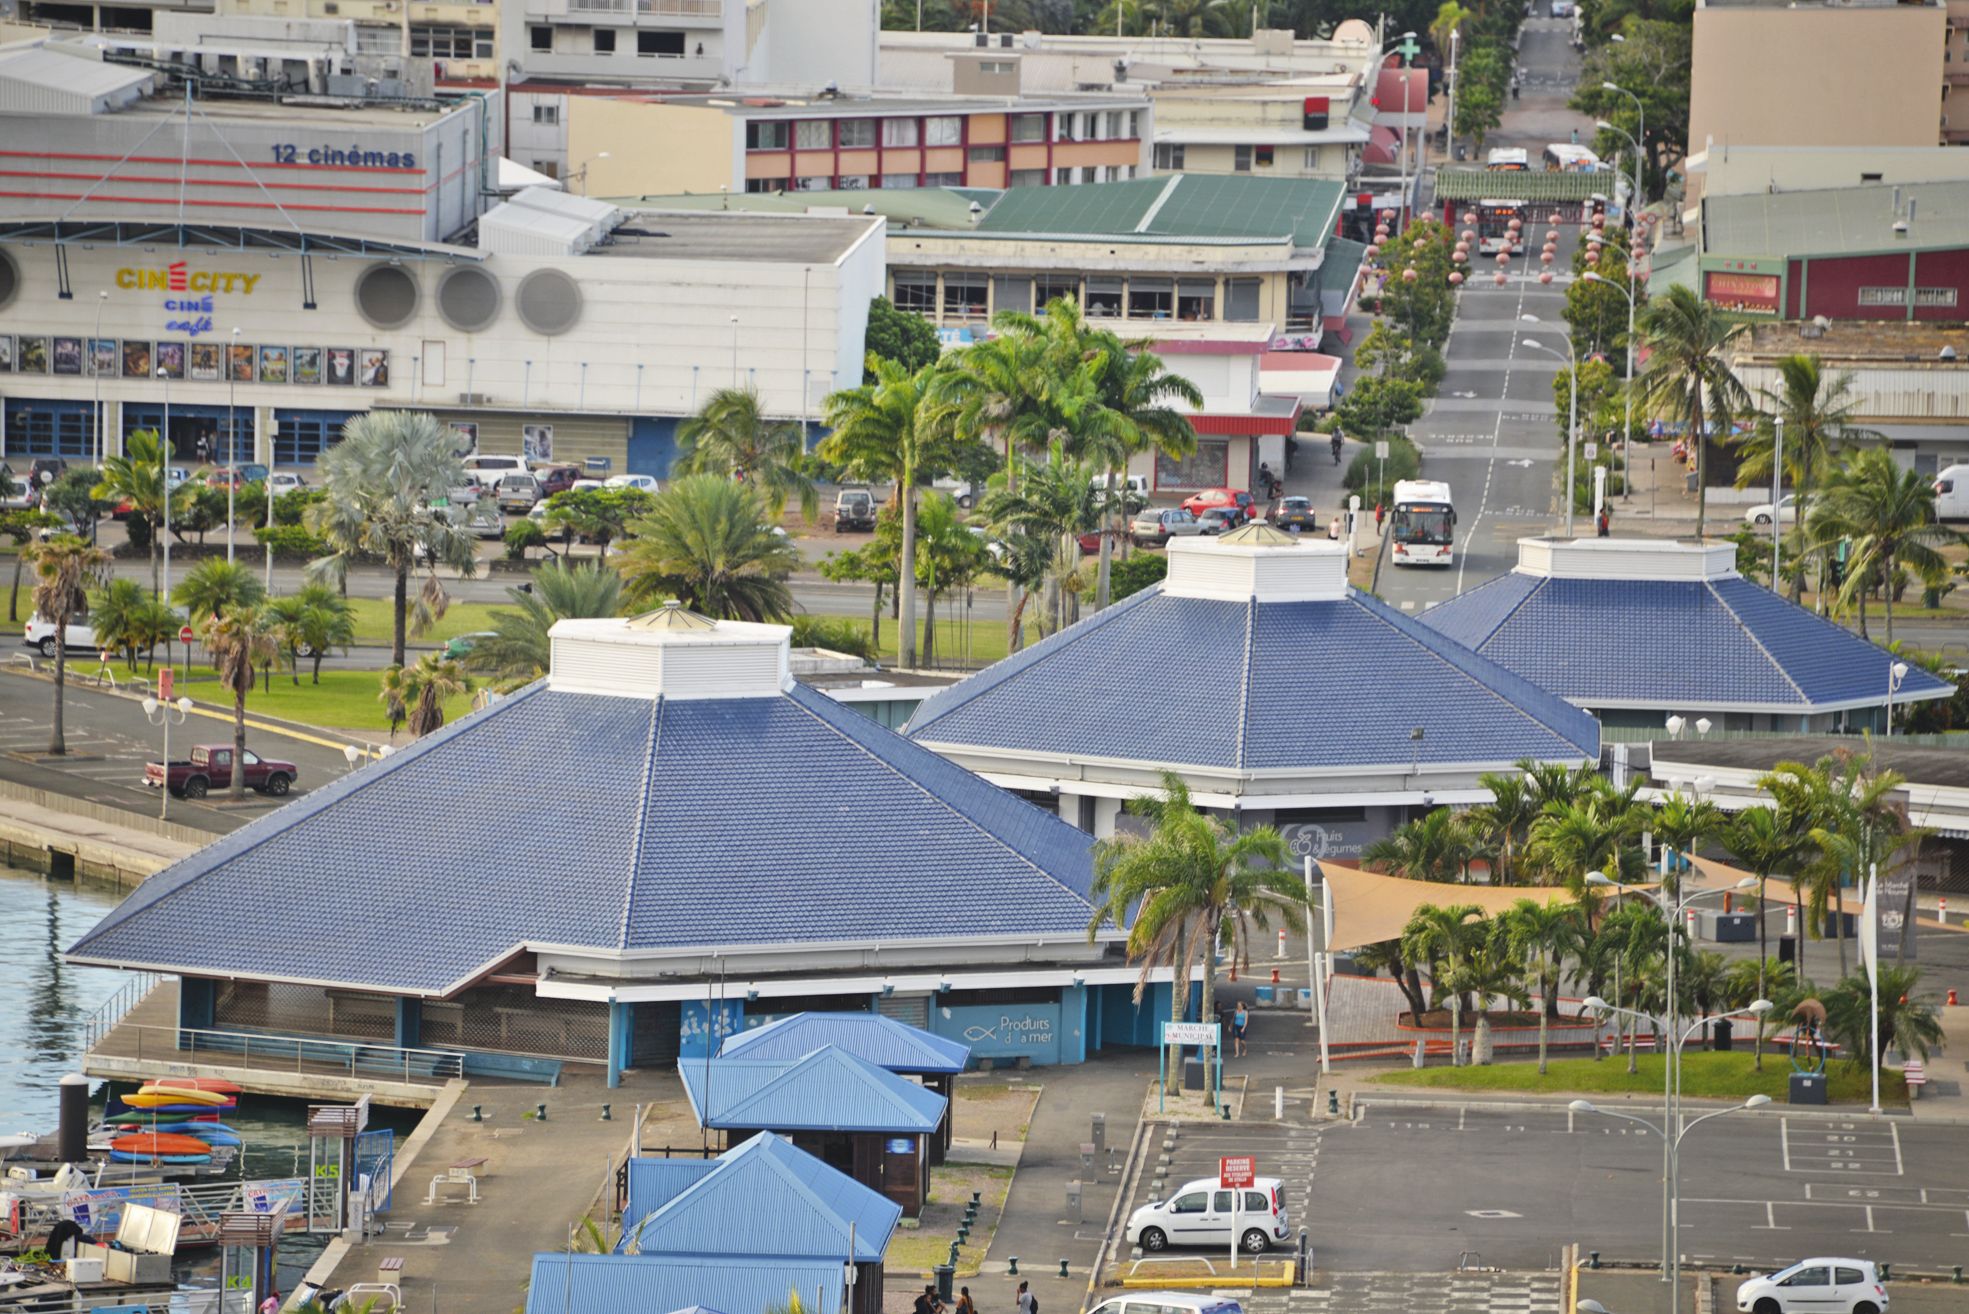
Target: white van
(1203, 1213)
(1168, 1302)
(1952, 493)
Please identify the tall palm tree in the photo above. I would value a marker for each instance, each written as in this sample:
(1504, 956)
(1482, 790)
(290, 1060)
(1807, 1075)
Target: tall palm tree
(216, 586)
(1768, 843)
(1817, 412)
(1491, 970)
(426, 686)
(1543, 936)
(23, 527)
(379, 483)
(710, 543)
(732, 436)
(1570, 840)
(1443, 937)
(1888, 512)
(950, 556)
(1639, 937)
(1682, 824)
(313, 621)
(1687, 378)
(138, 477)
(1435, 846)
(240, 639)
(117, 610)
(1503, 825)
(1056, 501)
(64, 566)
(1191, 882)
(517, 651)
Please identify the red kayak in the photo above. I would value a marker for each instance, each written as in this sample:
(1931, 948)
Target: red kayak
(159, 1143)
(215, 1085)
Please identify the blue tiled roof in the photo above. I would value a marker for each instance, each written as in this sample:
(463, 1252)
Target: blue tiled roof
(665, 824)
(1257, 686)
(764, 1197)
(883, 1041)
(614, 1284)
(1673, 644)
(827, 1090)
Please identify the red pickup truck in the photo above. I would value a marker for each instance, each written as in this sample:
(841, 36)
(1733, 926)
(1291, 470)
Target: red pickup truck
(210, 767)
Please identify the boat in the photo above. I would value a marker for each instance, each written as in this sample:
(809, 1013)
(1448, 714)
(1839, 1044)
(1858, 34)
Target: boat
(124, 1156)
(154, 1095)
(214, 1085)
(156, 1143)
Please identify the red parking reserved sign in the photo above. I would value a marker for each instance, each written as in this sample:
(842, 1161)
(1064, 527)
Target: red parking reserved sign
(1235, 1170)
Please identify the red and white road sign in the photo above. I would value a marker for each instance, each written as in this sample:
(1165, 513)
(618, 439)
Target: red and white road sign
(184, 634)
(1235, 1170)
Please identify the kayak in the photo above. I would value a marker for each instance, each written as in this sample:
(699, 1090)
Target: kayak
(120, 1156)
(197, 1127)
(122, 1112)
(215, 1085)
(147, 1143)
(152, 1096)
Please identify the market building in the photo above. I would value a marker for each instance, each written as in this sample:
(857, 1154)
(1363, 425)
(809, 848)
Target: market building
(1640, 630)
(744, 845)
(1292, 699)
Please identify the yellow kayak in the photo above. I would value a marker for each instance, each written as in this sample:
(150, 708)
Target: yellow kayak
(157, 1097)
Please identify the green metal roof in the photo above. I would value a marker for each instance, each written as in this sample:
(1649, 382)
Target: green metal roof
(1342, 263)
(940, 207)
(1519, 185)
(1836, 220)
(1179, 205)
(1676, 268)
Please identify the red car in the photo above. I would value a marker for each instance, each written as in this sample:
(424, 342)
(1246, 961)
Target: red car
(556, 478)
(1197, 503)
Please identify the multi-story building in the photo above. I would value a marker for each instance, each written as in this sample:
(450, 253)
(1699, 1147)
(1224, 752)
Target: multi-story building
(1302, 128)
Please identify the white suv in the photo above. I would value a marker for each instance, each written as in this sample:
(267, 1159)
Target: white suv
(1816, 1286)
(1201, 1214)
(80, 638)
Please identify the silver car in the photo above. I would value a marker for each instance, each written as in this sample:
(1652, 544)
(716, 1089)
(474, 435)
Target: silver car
(1157, 525)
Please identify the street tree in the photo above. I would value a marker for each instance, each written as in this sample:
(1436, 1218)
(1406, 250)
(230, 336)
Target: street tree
(241, 640)
(710, 543)
(138, 477)
(1652, 61)
(731, 435)
(899, 336)
(1887, 512)
(518, 651)
(1687, 378)
(1768, 841)
(64, 567)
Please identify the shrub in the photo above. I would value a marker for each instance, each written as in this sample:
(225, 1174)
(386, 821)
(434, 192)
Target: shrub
(287, 508)
(836, 634)
(1141, 569)
(292, 543)
(522, 535)
(1371, 477)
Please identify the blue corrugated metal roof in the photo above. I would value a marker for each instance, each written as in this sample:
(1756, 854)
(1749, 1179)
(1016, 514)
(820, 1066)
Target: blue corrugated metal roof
(827, 1090)
(883, 1041)
(676, 824)
(616, 1284)
(764, 1197)
(1673, 644)
(654, 1183)
(1258, 686)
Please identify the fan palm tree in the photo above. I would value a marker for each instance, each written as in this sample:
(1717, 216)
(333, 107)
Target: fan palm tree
(1686, 377)
(1767, 842)
(64, 566)
(1543, 936)
(138, 477)
(1503, 825)
(378, 485)
(432, 680)
(517, 651)
(1435, 846)
(1908, 1022)
(731, 436)
(117, 610)
(240, 639)
(710, 543)
(1193, 888)
(1443, 937)
(1888, 513)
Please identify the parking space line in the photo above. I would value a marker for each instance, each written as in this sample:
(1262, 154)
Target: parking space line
(1784, 1141)
(1895, 1133)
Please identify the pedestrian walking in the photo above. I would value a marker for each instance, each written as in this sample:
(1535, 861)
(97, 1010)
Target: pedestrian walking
(1606, 522)
(965, 1305)
(1239, 1021)
(1027, 1303)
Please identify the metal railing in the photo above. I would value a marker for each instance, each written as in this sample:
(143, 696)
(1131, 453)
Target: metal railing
(649, 8)
(244, 1049)
(117, 1006)
(1641, 734)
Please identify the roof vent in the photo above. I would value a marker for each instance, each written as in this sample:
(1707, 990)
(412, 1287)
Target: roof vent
(1626, 559)
(1257, 562)
(671, 652)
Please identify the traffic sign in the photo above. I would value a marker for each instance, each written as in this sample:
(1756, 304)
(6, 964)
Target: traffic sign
(184, 634)
(165, 679)
(1237, 1170)
(1381, 449)
(1592, 451)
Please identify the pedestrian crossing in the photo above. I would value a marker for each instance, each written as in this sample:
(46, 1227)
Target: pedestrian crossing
(1415, 1293)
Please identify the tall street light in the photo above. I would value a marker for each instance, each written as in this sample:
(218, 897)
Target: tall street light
(1626, 458)
(1639, 109)
(166, 714)
(164, 457)
(1407, 41)
(1634, 183)
(1572, 424)
(232, 445)
(1895, 674)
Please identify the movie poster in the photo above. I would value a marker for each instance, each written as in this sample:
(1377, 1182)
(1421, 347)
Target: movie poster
(537, 442)
(136, 359)
(102, 357)
(68, 355)
(307, 365)
(171, 359)
(273, 364)
(341, 366)
(375, 368)
(204, 361)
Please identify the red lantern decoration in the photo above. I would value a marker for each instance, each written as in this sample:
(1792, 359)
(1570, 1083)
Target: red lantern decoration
(1545, 258)
(1500, 280)
(1503, 258)
(1455, 278)
(1469, 216)
(1552, 235)
(1545, 277)
(1408, 275)
(1515, 225)
(1468, 234)
(1372, 252)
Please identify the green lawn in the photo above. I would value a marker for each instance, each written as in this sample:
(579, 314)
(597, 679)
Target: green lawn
(1705, 1075)
(344, 699)
(987, 638)
(373, 617)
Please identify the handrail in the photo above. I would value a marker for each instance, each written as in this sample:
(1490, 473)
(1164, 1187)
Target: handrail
(117, 1006)
(416, 1067)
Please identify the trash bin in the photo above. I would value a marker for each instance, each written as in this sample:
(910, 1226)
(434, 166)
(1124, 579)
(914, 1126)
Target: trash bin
(1193, 1075)
(1100, 1131)
(1722, 1034)
(944, 1274)
(1808, 1088)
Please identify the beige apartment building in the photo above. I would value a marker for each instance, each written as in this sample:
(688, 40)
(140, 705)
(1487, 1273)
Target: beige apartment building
(1302, 128)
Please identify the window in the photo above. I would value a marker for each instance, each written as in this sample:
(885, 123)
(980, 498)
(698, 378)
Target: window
(1104, 297)
(1134, 124)
(1196, 298)
(916, 290)
(1256, 1203)
(1048, 288)
(1819, 1276)
(853, 182)
(1169, 157)
(552, 168)
(943, 180)
(38, 429)
(820, 182)
(766, 184)
(1883, 296)
(945, 131)
(1848, 1277)
(899, 182)
(1934, 296)
(964, 296)
(452, 42)
(605, 41)
(995, 67)
(1241, 159)
(764, 135)
(899, 132)
(1027, 178)
(1195, 1202)
(544, 113)
(857, 132)
(1241, 299)
(1221, 1202)
(300, 437)
(813, 135)
(987, 155)
(1263, 157)
(1312, 163)
(1028, 127)
(543, 38)
(1150, 298)
(660, 43)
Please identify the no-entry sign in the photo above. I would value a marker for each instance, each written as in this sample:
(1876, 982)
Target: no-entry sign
(1236, 1170)
(184, 634)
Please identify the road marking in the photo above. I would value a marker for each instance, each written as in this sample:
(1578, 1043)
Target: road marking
(1895, 1133)
(1784, 1141)
(1770, 1220)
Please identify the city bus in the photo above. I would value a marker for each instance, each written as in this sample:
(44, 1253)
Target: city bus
(1563, 158)
(1494, 225)
(1423, 523)
(1511, 159)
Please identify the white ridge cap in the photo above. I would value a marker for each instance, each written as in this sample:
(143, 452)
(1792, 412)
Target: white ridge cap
(670, 653)
(1626, 558)
(1235, 569)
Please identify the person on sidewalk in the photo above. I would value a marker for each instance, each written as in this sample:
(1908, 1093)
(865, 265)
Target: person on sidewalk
(927, 1303)
(1239, 1021)
(1027, 1305)
(1605, 522)
(965, 1305)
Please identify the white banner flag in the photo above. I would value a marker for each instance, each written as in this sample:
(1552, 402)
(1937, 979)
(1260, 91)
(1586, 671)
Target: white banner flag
(1870, 927)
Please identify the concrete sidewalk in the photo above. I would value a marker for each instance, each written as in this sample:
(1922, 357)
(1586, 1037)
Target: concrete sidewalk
(35, 824)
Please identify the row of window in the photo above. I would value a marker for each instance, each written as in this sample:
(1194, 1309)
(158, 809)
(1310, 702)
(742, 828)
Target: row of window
(446, 42)
(939, 130)
(1897, 296)
(55, 429)
(963, 294)
(1169, 157)
(855, 182)
(648, 42)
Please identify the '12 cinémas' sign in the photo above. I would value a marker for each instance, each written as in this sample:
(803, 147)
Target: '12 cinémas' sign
(337, 157)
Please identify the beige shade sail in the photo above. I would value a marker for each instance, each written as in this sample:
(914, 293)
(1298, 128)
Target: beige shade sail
(1369, 907)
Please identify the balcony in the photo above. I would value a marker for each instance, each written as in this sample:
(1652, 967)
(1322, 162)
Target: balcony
(698, 9)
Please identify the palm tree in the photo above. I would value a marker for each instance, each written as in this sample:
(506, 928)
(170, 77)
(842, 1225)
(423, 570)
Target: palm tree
(1503, 825)
(1858, 824)
(63, 567)
(159, 623)
(1702, 979)
(1442, 938)
(1888, 512)
(1056, 502)
(425, 687)
(214, 587)
(1193, 888)
(949, 558)
(1542, 936)
(1907, 1022)
(117, 610)
(518, 651)
(312, 621)
(1450, 18)
(1570, 840)
(380, 481)
(1489, 971)
(889, 430)
(1435, 846)
(23, 527)
(1636, 935)
(731, 436)
(138, 477)
(1817, 411)
(1767, 842)
(1686, 378)
(711, 544)
(1682, 824)
(240, 639)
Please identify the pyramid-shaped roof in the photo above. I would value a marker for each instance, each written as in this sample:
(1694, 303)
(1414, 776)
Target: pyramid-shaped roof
(612, 1284)
(883, 1041)
(827, 1090)
(815, 1209)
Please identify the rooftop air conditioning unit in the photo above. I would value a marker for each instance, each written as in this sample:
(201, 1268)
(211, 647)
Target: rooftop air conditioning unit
(474, 398)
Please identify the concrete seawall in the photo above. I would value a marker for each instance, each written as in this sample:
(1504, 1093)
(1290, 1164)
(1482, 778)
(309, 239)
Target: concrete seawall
(48, 832)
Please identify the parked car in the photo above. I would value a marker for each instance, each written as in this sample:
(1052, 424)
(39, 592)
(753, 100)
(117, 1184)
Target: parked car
(647, 483)
(281, 482)
(491, 469)
(519, 492)
(484, 520)
(854, 511)
(175, 476)
(1157, 525)
(1296, 514)
(254, 471)
(959, 491)
(45, 470)
(559, 478)
(1169, 1302)
(994, 548)
(18, 495)
(1201, 1214)
(1786, 512)
(1197, 503)
(79, 637)
(1952, 493)
(1816, 1286)
(460, 646)
(226, 477)
(1219, 520)
(209, 767)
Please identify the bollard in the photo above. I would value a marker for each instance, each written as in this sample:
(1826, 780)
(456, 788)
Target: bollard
(1951, 999)
(1944, 912)
(1592, 1259)
(1063, 1268)
(606, 1116)
(540, 1112)
(945, 1280)
(975, 1197)
(1281, 954)
(1333, 1102)
(952, 1261)
(1955, 1275)
(1304, 1268)
(1274, 976)
(1224, 1110)
(1736, 1270)
(963, 1235)
(1012, 1266)
(478, 1113)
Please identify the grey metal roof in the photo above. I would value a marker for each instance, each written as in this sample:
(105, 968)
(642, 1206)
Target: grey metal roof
(1835, 220)
(648, 825)
(827, 1090)
(43, 79)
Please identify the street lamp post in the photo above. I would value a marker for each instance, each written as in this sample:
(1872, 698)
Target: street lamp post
(1642, 111)
(1449, 137)
(1572, 423)
(96, 375)
(1407, 41)
(1895, 674)
(232, 448)
(166, 715)
(582, 172)
(164, 473)
(1777, 505)
(1626, 457)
